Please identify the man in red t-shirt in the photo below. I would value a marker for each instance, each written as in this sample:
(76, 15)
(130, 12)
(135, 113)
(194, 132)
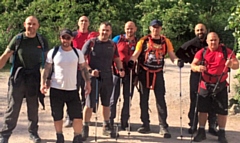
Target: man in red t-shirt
(214, 74)
(80, 37)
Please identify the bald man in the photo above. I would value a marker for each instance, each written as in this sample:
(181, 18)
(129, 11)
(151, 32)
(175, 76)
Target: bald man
(214, 73)
(24, 78)
(79, 39)
(126, 45)
(186, 52)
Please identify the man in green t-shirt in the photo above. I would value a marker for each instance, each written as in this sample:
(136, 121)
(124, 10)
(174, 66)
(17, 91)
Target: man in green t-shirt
(28, 50)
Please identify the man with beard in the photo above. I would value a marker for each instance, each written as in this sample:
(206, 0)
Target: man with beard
(186, 53)
(79, 39)
(24, 81)
(101, 52)
(150, 52)
(63, 68)
(125, 45)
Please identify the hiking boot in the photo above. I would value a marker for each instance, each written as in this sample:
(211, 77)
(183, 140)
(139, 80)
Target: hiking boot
(60, 138)
(164, 132)
(77, 139)
(213, 131)
(114, 133)
(144, 129)
(4, 139)
(68, 123)
(192, 130)
(222, 137)
(85, 132)
(107, 129)
(35, 137)
(201, 135)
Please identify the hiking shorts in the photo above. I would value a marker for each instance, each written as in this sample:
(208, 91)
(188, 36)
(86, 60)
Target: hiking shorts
(219, 105)
(57, 100)
(105, 87)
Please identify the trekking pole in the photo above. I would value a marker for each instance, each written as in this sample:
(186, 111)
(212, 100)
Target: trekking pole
(196, 105)
(229, 78)
(119, 105)
(180, 87)
(220, 78)
(129, 123)
(96, 108)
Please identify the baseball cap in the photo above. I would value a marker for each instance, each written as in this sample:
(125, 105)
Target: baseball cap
(156, 22)
(66, 31)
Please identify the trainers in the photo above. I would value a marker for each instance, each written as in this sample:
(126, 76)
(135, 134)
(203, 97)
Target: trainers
(213, 131)
(68, 123)
(35, 137)
(144, 129)
(60, 138)
(164, 132)
(85, 132)
(222, 137)
(78, 139)
(201, 135)
(4, 139)
(107, 130)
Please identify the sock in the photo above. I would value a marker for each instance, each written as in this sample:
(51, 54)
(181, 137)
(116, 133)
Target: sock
(86, 123)
(76, 134)
(105, 122)
(201, 127)
(59, 133)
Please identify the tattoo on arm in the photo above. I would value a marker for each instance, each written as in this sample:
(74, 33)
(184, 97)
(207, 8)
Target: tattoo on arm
(46, 71)
(85, 72)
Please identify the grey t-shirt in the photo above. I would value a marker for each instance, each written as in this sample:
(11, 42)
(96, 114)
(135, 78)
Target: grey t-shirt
(101, 55)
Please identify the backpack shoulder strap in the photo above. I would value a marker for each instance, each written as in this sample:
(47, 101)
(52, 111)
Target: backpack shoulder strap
(75, 51)
(40, 39)
(55, 50)
(19, 38)
(224, 50)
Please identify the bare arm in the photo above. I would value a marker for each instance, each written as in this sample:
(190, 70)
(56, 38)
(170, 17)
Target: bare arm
(4, 57)
(118, 63)
(196, 67)
(135, 55)
(45, 72)
(173, 57)
(85, 72)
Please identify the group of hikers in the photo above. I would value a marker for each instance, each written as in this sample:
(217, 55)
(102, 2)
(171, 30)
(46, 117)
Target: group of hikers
(92, 64)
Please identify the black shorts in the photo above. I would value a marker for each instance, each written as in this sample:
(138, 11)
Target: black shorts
(219, 104)
(105, 87)
(57, 100)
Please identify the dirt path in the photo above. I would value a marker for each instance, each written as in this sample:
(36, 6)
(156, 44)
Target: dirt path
(47, 133)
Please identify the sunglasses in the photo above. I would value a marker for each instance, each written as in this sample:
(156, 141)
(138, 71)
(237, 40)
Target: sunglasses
(66, 37)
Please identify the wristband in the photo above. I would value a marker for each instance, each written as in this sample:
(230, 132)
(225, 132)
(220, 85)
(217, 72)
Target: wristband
(121, 69)
(90, 71)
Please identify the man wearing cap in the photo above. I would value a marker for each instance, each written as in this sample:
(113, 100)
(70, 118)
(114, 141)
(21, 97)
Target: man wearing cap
(79, 39)
(24, 80)
(150, 52)
(63, 84)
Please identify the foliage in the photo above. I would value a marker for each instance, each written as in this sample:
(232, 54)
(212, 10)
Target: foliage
(178, 16)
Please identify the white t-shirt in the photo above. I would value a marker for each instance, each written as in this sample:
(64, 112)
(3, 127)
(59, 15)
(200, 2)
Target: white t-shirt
(64, 76)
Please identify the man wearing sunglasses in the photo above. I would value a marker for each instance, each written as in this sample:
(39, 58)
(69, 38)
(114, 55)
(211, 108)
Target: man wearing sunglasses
(150, 52)
(63, 84)
(186, 53)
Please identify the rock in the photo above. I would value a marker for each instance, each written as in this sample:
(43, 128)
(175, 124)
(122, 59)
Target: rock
(234, 109)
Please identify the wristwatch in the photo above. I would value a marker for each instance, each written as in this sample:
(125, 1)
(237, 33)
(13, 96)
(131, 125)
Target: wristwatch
(90, 71)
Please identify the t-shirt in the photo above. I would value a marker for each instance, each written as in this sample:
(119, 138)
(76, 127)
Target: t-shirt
(64, 76)
(215, 63)
(100, 56)
(151, 61)
(79, 40)
(29, 53)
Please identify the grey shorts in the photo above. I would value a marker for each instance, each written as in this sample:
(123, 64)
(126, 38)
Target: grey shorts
(100, 87)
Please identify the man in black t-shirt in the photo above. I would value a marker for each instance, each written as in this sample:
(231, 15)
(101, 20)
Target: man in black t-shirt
(24, 79)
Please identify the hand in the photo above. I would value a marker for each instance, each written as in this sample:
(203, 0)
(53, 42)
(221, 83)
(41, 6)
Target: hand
(130, 64)
(180, 63)
(200, 68)
(121, 73)
(95, 73)
(229, 63)
(87, 88)
(43, 88)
